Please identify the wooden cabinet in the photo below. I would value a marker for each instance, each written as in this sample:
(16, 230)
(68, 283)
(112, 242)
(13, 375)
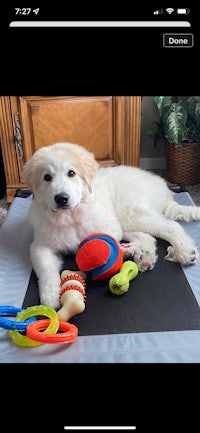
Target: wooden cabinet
(109, 126)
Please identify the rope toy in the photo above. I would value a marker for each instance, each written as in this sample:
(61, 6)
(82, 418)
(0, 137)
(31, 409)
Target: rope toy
(72, 295)
(100, 254)
(119, 283)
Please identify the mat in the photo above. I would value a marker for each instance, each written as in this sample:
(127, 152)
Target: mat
(157, 320)
(158, 300)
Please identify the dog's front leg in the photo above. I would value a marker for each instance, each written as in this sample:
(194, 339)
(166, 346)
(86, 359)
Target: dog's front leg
(46, 265)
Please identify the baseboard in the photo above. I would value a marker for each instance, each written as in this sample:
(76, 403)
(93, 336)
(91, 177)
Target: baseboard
(151, 163)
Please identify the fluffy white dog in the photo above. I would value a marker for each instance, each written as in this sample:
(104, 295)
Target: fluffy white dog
(74, 197)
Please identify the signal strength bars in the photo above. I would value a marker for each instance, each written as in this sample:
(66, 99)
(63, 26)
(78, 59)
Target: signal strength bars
(161, 11)
(180, 11)
(158, 12)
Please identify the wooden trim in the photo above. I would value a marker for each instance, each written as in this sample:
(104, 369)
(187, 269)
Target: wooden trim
(127, 123)
(7, 142)
(134, 129)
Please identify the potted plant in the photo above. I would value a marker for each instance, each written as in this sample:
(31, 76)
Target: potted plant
(178, 124)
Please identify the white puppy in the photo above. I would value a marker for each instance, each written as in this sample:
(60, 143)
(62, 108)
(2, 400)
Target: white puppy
(74, 197)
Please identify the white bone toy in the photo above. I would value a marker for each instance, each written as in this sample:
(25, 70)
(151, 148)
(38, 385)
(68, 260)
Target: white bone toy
(72, 295)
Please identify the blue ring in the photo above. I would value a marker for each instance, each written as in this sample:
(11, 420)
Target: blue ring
(9, 310)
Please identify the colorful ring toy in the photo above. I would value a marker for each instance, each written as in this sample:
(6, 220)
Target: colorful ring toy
(23, 340)
(70, 334)
(10, 324)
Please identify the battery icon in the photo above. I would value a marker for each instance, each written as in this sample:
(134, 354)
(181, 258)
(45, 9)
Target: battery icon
(183, 11)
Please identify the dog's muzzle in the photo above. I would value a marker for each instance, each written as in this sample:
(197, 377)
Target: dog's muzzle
(62, 200)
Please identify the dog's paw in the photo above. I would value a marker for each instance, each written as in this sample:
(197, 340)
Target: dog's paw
(129, 249)
(146, 260)
(49, 295)
(50, 301)
(185, 257)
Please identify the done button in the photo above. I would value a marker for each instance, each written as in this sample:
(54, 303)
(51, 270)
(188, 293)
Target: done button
(178, 40)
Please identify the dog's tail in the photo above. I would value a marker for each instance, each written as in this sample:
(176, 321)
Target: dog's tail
(178, 212)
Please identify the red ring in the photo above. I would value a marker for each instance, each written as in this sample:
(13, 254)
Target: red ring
(70, 334)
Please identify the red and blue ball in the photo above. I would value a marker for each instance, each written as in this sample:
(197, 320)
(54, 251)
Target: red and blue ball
(99, 254)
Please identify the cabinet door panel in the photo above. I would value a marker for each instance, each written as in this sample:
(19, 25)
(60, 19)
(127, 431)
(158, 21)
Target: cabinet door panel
(86, 121)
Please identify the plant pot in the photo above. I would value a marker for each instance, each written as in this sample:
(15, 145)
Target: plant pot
(183, 163)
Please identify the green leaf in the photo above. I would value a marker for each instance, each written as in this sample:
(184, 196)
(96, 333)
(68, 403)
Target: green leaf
(162, 102)
(175, 122)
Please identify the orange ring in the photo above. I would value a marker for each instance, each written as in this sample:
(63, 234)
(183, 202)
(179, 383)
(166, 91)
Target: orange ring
(70, 334)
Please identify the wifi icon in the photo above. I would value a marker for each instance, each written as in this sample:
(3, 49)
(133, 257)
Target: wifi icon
(170, 10)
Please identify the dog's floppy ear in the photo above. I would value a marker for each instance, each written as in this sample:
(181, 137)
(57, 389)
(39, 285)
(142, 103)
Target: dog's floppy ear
(33, 167)
(88, 169)
(29, 172)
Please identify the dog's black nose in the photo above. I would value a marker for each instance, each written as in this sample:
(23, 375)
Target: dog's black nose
(61, 199)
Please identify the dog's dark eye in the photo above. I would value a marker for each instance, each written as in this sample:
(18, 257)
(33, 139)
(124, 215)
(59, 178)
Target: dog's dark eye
(47, 177)
(71, 173)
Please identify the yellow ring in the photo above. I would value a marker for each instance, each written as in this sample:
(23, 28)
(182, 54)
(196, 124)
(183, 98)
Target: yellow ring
(23, 340)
